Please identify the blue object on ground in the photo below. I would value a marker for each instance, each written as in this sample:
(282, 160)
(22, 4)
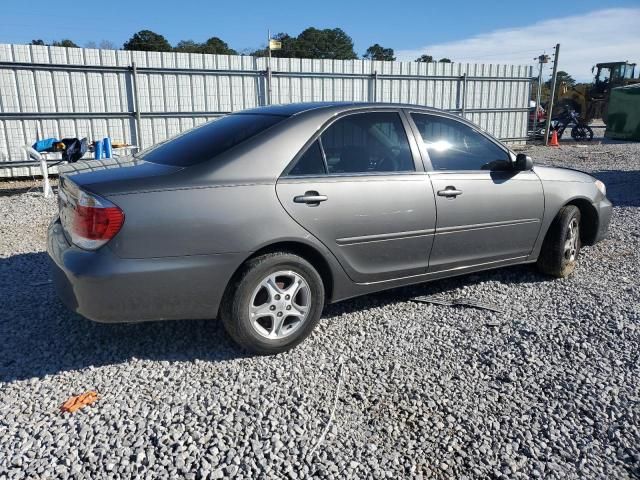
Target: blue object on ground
(44, 145)
(97, 149)
(107, 147)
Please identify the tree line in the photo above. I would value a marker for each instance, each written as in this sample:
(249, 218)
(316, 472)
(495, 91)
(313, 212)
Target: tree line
(569, 93)
(564, 84)
(327, 43)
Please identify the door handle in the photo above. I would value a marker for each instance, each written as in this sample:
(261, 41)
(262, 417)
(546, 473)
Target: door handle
(310, 198)
(450, 192)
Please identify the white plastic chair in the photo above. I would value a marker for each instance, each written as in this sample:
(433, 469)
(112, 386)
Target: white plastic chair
(37, 156)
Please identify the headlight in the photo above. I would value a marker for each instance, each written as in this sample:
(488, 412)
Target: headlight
(601, 186)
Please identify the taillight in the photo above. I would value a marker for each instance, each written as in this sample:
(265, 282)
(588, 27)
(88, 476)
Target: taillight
(89, 220)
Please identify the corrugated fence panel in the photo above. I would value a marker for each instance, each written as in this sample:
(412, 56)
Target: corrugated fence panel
(72, 92)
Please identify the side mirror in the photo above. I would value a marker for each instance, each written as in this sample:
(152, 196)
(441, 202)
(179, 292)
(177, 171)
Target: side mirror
(523, 162)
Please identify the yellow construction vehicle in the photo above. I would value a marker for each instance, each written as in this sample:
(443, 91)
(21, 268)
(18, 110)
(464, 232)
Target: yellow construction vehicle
(593, 100)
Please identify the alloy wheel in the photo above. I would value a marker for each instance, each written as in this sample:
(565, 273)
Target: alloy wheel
(280, 304)
(571, 242)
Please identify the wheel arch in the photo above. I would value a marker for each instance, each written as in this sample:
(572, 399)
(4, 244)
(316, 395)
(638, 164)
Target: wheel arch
(310, 253)
(589, 219)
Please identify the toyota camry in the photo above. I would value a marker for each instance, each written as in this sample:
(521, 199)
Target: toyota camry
(264, 216)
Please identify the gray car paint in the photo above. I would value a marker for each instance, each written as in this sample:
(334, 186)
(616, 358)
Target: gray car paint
(374, 235)
(562, 186)
(497, 217)
(187, 230)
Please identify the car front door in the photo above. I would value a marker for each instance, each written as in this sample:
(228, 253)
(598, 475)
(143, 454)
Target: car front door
(487, 211)
(360, 188)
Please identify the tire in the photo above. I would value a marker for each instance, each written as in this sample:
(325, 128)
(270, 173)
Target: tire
(273, 303)
(561, 246)
(582, 132)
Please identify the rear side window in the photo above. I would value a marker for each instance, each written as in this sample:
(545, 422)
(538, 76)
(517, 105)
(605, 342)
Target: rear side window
(310, 163)
(209, 140)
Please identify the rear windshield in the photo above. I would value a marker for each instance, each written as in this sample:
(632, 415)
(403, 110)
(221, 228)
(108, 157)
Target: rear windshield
(209, 140)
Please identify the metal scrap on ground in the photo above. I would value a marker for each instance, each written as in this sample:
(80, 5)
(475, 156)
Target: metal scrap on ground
(333, 411)
(464, 302)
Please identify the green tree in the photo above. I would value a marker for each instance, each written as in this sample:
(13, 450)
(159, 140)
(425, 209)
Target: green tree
(425, 58)
(568, 93)
(214, 45)
(188, 46)
(331, 43)
(378, 52)
(544, 90)
(217, 46)
(147, 41)
(444, 60)
(563, 78)
(65, 42)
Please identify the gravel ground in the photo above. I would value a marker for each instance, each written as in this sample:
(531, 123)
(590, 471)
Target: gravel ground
(549, 388)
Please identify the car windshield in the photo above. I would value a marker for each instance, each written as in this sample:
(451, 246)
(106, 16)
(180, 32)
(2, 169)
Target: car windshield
(209, 140)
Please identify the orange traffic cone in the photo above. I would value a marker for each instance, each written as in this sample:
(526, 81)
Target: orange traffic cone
(554, 139)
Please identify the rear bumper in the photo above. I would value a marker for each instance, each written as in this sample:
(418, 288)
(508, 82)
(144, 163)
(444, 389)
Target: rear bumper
(103, 287)
(605, 209)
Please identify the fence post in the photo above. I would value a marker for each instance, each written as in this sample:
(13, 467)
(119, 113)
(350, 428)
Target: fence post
(261, 82)
(463, 101)
(136, 101)
(375, 86)
(268, 77)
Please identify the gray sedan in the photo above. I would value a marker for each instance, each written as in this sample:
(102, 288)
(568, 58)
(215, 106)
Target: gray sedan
(264, 216)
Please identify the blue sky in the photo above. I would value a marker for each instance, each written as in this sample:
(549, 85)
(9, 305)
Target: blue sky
(453, 28)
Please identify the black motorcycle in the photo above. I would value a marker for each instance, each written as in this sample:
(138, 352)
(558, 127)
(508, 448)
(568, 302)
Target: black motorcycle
(579, 131)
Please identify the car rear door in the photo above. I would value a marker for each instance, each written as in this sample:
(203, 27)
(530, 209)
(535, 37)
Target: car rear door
(487, 211)
(360, 188)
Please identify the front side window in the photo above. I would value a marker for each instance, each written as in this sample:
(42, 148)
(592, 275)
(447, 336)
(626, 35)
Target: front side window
(372, 142)
(452, 145)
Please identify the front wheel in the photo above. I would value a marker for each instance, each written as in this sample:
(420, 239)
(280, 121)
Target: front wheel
(582, 132)
(274, 303)
(561, 246)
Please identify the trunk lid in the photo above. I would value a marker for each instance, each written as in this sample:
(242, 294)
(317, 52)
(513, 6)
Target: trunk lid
(118, 175)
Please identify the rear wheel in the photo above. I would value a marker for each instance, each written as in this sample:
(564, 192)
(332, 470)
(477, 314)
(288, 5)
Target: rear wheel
(582, 132)
(274, 303)
(561, 246)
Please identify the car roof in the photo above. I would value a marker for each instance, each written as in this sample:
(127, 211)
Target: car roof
(290, 109)
(324, 110)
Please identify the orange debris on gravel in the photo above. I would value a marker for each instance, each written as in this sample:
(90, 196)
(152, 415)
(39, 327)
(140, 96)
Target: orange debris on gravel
(79, 401)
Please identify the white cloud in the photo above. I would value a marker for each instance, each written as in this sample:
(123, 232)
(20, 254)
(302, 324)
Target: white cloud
(599, 36)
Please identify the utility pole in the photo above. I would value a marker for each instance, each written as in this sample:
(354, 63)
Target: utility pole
(542, 59)
(554, 77)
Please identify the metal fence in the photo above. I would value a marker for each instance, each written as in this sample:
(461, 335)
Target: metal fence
(145, 97)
